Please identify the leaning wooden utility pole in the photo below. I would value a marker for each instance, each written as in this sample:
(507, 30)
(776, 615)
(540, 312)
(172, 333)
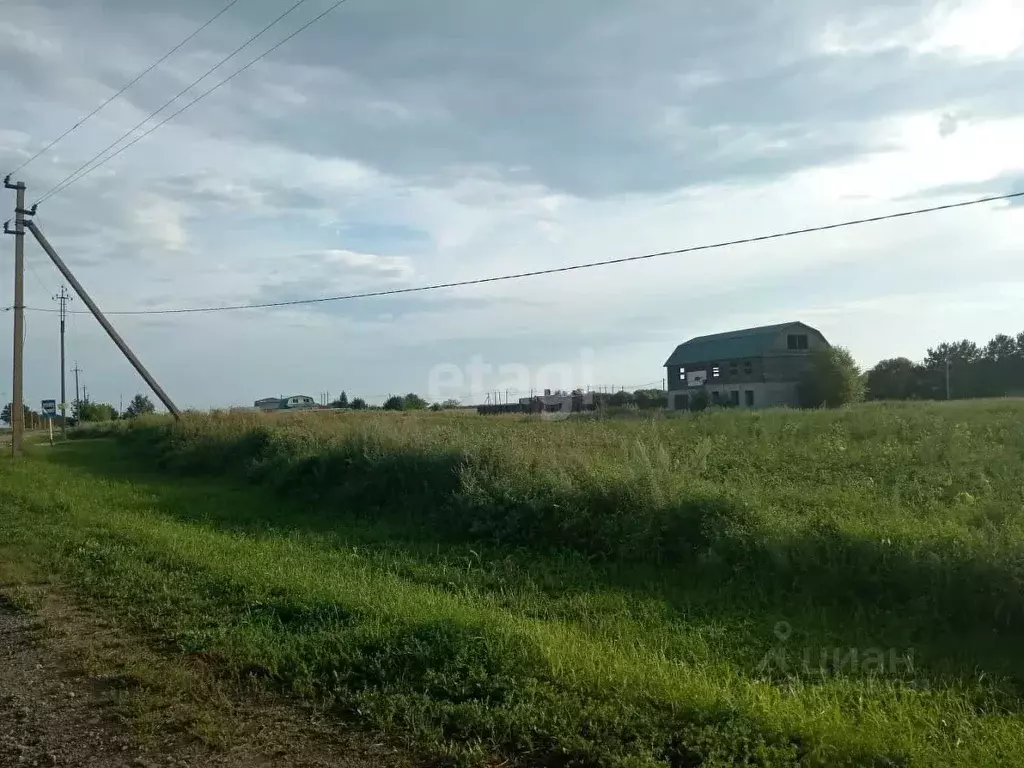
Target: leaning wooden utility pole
(17, 393)
(63, 298)
(102, 320)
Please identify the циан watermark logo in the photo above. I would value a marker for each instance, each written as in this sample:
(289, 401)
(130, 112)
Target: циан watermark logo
(820, 661)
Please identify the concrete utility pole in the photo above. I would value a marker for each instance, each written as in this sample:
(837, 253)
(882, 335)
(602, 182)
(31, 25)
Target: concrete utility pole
(63, 298)
(78, 396)
(17, 393)
(102, 320)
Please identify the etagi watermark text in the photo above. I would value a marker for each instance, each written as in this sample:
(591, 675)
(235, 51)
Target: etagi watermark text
(479, 377)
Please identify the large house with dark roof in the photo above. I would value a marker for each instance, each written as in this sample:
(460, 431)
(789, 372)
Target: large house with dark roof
(753, 368)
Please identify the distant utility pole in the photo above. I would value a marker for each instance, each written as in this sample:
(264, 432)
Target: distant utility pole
(947, 379)
(78, 396)
(63, 298)
(17, 393)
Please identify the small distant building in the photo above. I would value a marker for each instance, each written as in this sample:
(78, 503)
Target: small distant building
(751, 368)
(292, 403)
(298, 402)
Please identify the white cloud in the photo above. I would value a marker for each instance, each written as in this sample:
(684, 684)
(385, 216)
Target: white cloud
(162, 221)
(977, 28)
(384, 267)
(268, 191)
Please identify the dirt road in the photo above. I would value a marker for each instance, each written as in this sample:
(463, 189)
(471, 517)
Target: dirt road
(71, 695)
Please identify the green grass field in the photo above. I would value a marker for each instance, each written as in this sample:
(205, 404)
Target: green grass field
(779, 588)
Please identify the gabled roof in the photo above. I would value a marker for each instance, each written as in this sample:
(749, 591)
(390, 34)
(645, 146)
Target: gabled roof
(749, 342)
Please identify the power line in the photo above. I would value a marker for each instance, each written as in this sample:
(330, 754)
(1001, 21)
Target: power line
(78, 175)
(570, 268)
(70, 179)
(138, 77)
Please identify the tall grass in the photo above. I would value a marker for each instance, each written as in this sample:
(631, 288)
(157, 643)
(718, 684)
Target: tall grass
(895, 503)
(586, 592)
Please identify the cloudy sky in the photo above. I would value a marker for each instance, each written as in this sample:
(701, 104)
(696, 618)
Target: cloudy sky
(397, 143)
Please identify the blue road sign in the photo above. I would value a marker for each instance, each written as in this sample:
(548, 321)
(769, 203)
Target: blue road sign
(49, 408)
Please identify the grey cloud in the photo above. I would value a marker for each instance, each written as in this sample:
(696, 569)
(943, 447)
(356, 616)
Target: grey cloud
(575, 95)
(948, 124)
(209, 191)
(1003, 184)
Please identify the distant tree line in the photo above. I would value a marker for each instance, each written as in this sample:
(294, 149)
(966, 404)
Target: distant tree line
(409, 402)
(992, 370)
(84, 410)
(644, 399)
(31, 417)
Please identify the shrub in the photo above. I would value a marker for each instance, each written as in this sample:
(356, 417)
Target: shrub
(832, 378)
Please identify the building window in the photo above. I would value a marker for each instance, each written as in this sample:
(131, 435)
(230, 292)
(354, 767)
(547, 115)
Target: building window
(734, 397)
(715, 372)
(797, 341)
(748, 367)
(734, 368)
(716, 397)
(682, 402)
(749, 398)
(682, 373)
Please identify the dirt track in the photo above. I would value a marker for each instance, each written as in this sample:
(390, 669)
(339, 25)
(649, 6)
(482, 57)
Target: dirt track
(52, 714)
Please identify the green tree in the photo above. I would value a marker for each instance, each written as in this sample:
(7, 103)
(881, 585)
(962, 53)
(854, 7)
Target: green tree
(394, 403)
(832, 378)
(89, 411)
(77, 407)
(451, 403)
(895, 379)
(139, 406)
(342, 401)
(5, 415)
(358, 404)
(621, 398)
(700, 401)
(1001, 347)
(958, 353)
(650, 398)
(413, 402)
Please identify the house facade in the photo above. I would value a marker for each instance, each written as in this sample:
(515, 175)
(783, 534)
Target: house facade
(751, 368)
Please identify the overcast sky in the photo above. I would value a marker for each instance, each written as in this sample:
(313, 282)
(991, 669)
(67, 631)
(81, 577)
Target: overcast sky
(398, 143)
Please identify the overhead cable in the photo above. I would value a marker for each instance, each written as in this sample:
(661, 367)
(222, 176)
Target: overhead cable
(568, 268)
(132, 82)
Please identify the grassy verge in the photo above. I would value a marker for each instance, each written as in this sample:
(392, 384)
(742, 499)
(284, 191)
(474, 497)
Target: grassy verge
(748, 596)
